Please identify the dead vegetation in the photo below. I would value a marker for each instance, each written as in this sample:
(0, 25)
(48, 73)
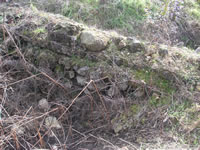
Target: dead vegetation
(105, 113)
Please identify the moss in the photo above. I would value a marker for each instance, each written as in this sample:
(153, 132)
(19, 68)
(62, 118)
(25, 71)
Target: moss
(46, 58)
(134, 109)
(192, 113)
(159, 102)
(112, 47)
(154, 79)
(26, 32)
(126, 119)
(34, 33)
(39, 30)
(177, 110)
(59, 69)
(143, 120)
(11, 50)
(76, 60)
(123, 117)
(165, 85)
(47, 55)
(143, 75)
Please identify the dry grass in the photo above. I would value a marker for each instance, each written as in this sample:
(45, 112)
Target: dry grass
(85, 116)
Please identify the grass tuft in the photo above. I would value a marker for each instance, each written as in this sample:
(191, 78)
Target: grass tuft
(119, 14)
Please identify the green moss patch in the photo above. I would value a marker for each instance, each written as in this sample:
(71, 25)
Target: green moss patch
(76, 60)
(153, 78)
(59, 69)
(40, 30)
(159, 101)
(177, 110)
(134, 108)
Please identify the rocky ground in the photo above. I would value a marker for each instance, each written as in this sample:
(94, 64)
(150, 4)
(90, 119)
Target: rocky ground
(68, 86)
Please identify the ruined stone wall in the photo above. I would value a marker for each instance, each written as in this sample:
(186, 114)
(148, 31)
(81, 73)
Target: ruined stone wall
(72, 55)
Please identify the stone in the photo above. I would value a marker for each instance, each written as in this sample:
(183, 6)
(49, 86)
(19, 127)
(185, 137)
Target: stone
(122, 44)
(139, 93)
(52, 122)
(148, 58)
(19, 130)
(123, 148)
(123, 85)
(65, 61)
(163, 51)
(123, 121)
(122, 81)
(95, 75)
(43, 104)
(8, 43)
(135, 45)
(60, 36)
(87, 92)
(93, 57)
(180, 44)
(46, 58)
(55, 147)
(83, 71)
(68, 84)
(198, 87)
(194, 31)
(155, 66)
(155, 96)
(118, 61)
(113, 91)
(94, 41)
(29, 53)
(40, 149)
(198, 50)
(71, 74)
(59, 48)
(81, 80)
(117, 127)
(91, 87)
(75, 67)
